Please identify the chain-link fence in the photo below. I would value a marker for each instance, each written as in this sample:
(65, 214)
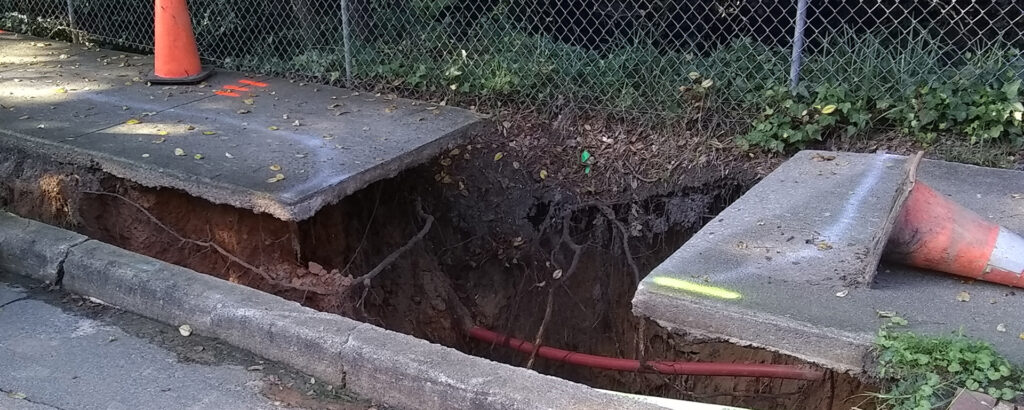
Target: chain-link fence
(630, 55)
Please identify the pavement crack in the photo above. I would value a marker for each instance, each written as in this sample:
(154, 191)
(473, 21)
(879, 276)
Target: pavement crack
(8, 393)
(13, 301)
(59, 280)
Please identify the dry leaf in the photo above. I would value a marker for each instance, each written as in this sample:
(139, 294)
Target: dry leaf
(145, 155)
(228, 154)
(61, 90)
(543, 174)
(209, 132)
(242, 111)
(276, 178)
(843, 293)
(198, 156)
(16, 395)
(179, 152)
(185, 330)
(557, 274)
(1001, 327)
(499, 156)
(249, 101)
(275, 167)
(273, 128)
(963, 296)
(162, 133)
(190, 127)
(455, 152)
(159, 140)
(133, 121)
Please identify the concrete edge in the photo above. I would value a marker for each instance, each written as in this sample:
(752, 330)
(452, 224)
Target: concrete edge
(239, 197)
(308, 206)
(395, 369)
(35, 249)
(831, 348)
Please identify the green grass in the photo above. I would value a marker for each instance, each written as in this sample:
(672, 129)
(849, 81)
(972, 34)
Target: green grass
(923, 373)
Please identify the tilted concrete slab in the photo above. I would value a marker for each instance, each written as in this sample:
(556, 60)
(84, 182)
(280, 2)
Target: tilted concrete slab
(768, 271)
(92, 108)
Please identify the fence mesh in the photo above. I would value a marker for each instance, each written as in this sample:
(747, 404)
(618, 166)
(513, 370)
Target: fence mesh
(629, 55)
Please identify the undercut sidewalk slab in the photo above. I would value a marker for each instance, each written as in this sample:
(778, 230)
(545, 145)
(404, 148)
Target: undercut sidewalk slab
(774, 269)
(265, 144)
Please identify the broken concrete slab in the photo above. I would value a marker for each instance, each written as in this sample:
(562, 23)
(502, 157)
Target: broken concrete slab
(393, 368)
(33, 248)
(226, 140)
(773, 294)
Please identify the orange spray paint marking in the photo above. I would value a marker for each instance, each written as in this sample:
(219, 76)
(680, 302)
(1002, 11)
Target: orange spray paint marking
(253, 83)
(226, 93)
(235, 88)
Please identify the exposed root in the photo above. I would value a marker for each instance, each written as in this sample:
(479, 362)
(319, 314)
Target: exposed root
(366, 278)
(210, 245)
(577, 251)
(610, 214)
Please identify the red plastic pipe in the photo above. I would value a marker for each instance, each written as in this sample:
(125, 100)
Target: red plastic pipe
(777, 371)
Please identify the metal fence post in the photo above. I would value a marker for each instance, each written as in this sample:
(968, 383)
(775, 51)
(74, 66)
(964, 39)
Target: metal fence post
(346, 32)
(75, 38)
(798, 44)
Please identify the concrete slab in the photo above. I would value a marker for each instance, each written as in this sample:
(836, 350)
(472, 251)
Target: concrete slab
(60, 353)
(92, 109)
(797, 305)
(21, 54)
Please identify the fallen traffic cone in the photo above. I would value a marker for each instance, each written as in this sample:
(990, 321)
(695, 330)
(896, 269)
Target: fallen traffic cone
(933, 232)
(176, 57)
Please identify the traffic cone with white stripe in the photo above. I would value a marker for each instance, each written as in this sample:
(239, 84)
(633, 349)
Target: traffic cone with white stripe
(933, 232)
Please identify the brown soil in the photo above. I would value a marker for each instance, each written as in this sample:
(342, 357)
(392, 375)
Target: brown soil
(489, 258)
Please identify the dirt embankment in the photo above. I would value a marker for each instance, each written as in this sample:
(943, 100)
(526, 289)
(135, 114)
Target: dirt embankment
(511, 213)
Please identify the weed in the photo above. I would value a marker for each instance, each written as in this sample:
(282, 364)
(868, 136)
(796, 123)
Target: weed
(922, 373)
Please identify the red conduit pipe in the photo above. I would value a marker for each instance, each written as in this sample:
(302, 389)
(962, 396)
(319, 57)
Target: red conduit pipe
(629, 365)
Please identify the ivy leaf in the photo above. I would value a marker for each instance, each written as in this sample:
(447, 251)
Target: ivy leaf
(1012, 88)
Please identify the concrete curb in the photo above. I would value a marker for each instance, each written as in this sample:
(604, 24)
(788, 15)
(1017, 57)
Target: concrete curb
(392, 368)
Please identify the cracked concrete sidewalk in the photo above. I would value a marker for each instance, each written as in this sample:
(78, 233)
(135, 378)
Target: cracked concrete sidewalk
(59, 351)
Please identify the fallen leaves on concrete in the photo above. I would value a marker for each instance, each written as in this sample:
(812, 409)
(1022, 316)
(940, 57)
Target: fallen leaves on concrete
(185, 330)
(963, 296)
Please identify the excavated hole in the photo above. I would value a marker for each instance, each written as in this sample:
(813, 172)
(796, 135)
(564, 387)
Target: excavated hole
(487, 261)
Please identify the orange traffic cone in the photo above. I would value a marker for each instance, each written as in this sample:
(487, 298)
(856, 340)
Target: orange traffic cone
(933, 232)
(176, 57)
